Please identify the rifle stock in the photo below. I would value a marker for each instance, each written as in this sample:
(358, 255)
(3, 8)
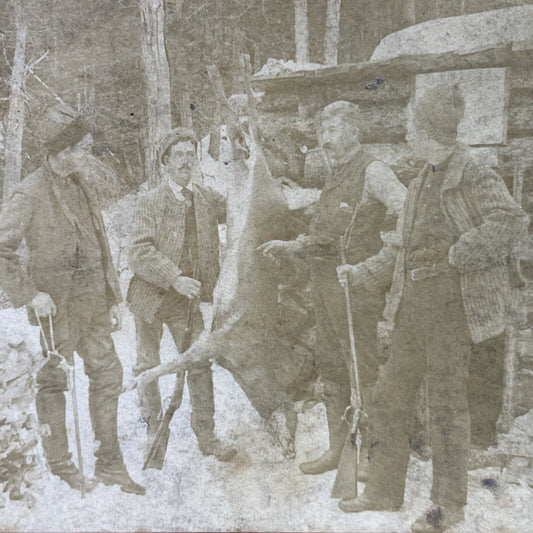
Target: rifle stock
(158, 447)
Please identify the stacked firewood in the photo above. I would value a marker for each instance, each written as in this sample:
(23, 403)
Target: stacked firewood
(19, 466)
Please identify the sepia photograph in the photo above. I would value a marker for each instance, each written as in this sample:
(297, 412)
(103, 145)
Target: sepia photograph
(266, 265)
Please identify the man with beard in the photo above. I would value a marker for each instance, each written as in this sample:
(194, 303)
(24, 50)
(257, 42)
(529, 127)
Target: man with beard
(174, 258)
(454, 267)
(360, 197)
(71, 280)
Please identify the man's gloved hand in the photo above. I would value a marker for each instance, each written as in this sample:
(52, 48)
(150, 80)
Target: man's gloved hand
(189, 287)
(353, 275)
(43, 305)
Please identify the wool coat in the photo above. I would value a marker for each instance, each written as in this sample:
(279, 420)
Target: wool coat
(38, 214)
(491, 226)
(157, 244)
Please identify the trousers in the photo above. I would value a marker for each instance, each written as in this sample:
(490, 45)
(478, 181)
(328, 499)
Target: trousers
(81, 324)
(199, 380)
(333, 357)
(431, 337)
(485, 390)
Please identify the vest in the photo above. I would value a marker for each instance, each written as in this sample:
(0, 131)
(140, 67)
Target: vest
(340, 199)
(431, 236)
(190, 246)
(87, 262)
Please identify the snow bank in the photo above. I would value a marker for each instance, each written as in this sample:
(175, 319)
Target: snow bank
(461, 35)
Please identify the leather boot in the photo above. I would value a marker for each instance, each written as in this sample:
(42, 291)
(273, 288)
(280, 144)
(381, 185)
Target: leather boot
(338, 430)
(50, 403)
(69, 473)
(363, 503)
(117, 474)
(104, 420)
(223, 452)
(363, 465)
(202, 417)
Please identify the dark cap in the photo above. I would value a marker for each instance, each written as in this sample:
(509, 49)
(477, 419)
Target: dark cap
(68, 136)
(177, 135)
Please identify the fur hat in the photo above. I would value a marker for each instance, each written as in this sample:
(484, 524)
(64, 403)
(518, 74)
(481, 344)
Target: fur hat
(439, 111)
(68, 136)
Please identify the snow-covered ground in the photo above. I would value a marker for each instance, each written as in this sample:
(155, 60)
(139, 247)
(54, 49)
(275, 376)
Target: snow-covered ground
(259, 490)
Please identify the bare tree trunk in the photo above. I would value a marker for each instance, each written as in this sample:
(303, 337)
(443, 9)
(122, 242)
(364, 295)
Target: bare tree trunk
(15, 115)
(219, 29)
(157, 83)
(185, 107)
(331, 39)
(410, 12)
(301, 31)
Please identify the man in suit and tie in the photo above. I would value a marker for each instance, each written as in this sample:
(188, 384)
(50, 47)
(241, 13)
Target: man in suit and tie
(455, 281)
(361, 198)
(71, 280)
(174, 258)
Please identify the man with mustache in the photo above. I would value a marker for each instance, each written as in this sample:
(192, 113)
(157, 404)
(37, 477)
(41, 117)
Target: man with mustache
(361, 198)
(174, 258)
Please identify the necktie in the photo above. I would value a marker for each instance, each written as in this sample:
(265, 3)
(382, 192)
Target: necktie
(187, 194)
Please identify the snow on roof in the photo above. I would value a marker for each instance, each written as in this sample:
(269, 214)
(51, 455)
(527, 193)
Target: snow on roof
(461, 35)
(279, 67)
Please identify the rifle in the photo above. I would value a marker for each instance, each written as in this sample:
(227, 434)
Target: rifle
(345, 485)
(158, 447)
(70, 370)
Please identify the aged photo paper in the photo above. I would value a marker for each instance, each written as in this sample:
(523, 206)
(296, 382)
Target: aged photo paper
(266, 265)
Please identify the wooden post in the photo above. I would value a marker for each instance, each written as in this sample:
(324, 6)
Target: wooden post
(157, 78)
(15, 115)
(301, 31)
(331, 39)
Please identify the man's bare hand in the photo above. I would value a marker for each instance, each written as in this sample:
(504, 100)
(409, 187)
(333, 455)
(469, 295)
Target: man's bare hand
(354, 275)
(43, 305)
(278, 249)
(189, 287)
(115, 317)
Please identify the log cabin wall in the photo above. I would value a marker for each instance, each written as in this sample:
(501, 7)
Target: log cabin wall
(291, 105)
